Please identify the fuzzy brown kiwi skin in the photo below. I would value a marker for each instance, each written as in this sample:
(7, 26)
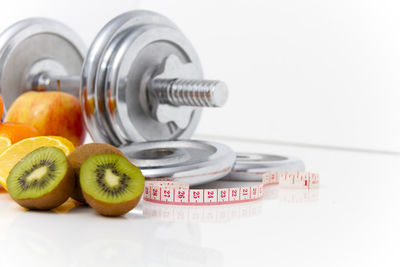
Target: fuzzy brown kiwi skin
(111, 209)
(80, 154)
(54, 198)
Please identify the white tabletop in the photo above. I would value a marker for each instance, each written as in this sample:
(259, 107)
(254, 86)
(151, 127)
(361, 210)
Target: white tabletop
(352, 220)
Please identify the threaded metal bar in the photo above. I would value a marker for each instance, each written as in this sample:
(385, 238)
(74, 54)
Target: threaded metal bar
(197, 93)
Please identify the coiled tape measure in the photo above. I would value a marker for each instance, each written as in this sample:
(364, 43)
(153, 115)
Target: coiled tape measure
(174, 193)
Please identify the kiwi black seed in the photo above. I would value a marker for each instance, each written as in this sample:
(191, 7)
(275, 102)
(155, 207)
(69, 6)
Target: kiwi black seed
(80, 154)
(111, 184)
(42, 180)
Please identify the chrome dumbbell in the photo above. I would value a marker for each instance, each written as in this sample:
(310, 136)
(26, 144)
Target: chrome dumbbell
(141, 79)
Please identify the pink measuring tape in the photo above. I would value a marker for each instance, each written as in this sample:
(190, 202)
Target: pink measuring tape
(174, 193)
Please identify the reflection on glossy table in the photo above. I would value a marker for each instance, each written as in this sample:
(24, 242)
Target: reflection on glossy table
(352, 220)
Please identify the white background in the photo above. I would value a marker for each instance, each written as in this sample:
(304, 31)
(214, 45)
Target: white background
(317, 72)
(311, 71)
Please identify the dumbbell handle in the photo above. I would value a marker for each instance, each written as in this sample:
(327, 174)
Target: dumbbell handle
(195, 93)
(46, 82)
(176, 92)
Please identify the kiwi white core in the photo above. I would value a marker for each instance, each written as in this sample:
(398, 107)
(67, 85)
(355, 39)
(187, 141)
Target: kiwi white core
(37, 174)
(111, 179)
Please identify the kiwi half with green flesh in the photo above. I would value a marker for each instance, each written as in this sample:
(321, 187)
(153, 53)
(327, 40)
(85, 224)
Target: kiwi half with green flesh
(42, 180)
(80, 154)
(111, 184)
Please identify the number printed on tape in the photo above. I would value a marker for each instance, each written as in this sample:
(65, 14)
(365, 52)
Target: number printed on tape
(180, 193)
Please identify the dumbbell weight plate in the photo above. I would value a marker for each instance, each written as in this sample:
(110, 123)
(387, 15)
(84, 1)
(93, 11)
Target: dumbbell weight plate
(189, 161)
(33, 46)
(123, 57)
(252, 166)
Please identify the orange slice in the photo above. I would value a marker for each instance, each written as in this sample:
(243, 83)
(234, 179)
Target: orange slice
(13, 154)
(4, 143)
(65, 141)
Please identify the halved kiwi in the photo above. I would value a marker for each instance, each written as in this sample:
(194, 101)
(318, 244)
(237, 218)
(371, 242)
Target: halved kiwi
(111, 184)
(80, 154)
(42, 180)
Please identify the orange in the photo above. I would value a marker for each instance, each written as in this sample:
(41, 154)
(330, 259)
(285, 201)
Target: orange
(67, 206)
(65, 141)
(13, 154)
(17, 131)
(1, 107)
(4, 143)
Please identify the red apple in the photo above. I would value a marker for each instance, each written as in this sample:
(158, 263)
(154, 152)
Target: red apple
(51, 113)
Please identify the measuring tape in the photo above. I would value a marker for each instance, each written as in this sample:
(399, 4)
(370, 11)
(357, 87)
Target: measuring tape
(174, 193)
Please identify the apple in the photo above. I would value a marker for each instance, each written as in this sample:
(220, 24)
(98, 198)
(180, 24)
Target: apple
(51, 113)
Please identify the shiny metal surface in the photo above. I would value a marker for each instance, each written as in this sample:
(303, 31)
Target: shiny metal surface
(188, 161)
(94, 101)
(122, 60)
(45, 82)
(34, 46)
(196, 93)
(251, 166)
(174, 99)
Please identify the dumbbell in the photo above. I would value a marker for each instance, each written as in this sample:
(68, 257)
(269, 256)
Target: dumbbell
(141, 79)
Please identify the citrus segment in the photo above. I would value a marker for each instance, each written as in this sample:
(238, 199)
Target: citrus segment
(65, 142)
(4, 143)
